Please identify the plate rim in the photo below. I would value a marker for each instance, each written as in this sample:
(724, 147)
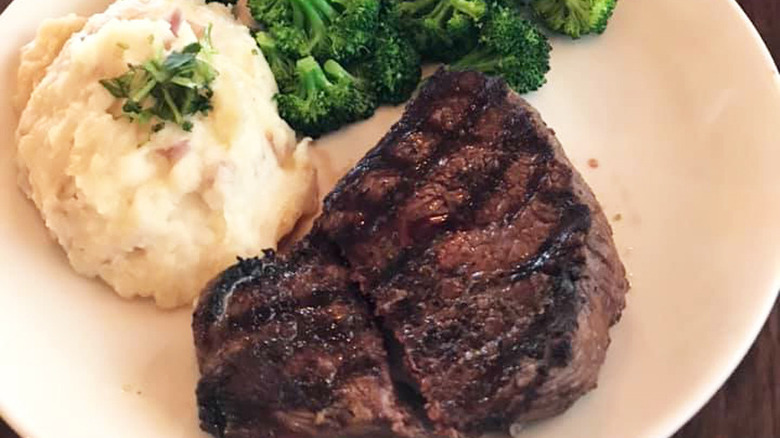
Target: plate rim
(683, 415)
(672, 424)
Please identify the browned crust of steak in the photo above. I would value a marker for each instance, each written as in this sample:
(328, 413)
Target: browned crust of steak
(601, 289)
(480, 254)
(286, 349)
(483, 253)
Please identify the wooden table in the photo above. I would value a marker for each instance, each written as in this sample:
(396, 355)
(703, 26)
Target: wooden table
(748, 405)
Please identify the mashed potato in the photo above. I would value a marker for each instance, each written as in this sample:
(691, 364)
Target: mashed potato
(156, 215)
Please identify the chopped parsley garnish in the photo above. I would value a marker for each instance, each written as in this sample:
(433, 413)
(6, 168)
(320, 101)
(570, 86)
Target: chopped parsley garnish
(166, 90)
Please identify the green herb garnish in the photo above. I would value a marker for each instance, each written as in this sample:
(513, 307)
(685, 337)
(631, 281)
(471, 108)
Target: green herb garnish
(166, 90)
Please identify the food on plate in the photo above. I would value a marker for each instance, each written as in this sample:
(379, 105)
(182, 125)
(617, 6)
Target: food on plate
(382, 43)
(358, 37)
(467, 242)
(394, 68)
(173, 88)
(153, 149)
(325, 97)
(575, 17)
(302, 358)
(39, 53)
(510, 47)
(343, 30)
(442, 30)
(493, 38)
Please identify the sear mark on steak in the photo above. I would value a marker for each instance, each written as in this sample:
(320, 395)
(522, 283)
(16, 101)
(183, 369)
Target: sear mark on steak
(287, 349)
(461, 277)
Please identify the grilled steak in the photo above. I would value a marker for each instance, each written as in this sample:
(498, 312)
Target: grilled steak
(476, 267)
(286, 349)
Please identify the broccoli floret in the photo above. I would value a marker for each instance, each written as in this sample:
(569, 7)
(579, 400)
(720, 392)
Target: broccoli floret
(394, 67)
(284, 23)
(272, 12)
(352, 30)
(600, 15)
(343, 30)
(282, 66)
(325, 98)
(442, 30)
(510, 47)
(575, 17)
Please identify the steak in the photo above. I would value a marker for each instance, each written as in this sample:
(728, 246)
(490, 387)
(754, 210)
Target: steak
(462, 277)
(287, 349)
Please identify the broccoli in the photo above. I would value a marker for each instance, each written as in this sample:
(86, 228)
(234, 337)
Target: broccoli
(282, 66)
(325, 98)
(442, 30)
(272, 12)
(575, 17)
(511, 47)
(394, 67)
(283, 24)
(352, 32)
(343, 30)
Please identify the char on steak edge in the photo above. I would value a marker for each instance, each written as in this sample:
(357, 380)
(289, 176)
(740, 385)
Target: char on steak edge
(461, 277)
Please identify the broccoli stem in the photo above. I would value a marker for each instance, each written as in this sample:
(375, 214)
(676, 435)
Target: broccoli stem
(414, 7)
(314, 78)
(482, 60)
(441, 13)
(443, 10)
(265, 42)
(316, 12)
(298, 17)
(337, 72)
(324, 8)
(272, 54)
(474, 10)
(579, 11)
(571, 17)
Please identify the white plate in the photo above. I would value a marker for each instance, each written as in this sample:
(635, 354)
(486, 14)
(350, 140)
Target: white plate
(679, 102)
